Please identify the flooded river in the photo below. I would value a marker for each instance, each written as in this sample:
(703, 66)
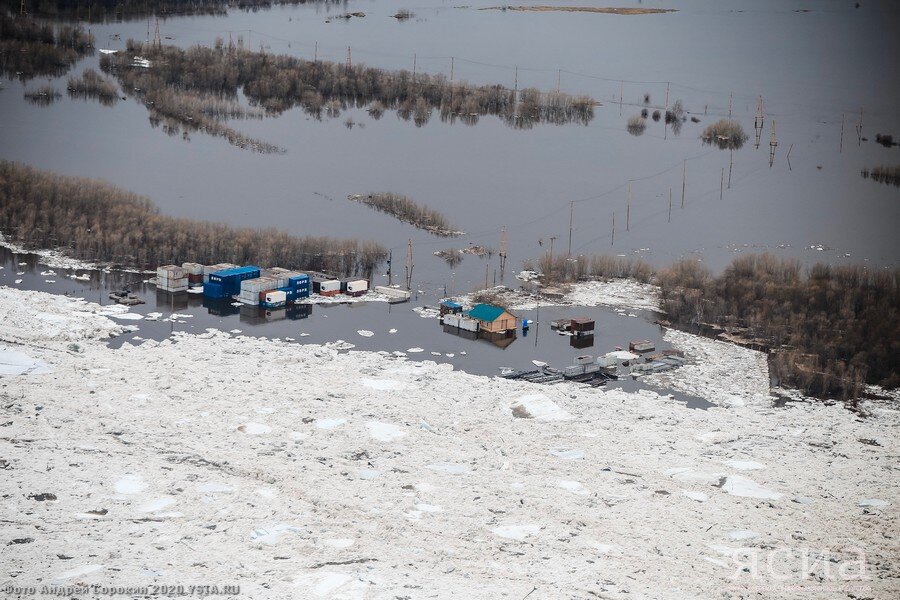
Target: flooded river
(812, 68)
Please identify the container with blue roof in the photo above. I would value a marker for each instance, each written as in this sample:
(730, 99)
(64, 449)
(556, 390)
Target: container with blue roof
(227, 283)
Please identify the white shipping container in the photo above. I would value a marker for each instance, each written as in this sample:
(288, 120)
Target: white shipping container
(173, 288)
(584, 359)
(461, 322)
(360, 285)
(330, 285)
(275, 297)
(192, 268)
(170, 272)
(259, 284)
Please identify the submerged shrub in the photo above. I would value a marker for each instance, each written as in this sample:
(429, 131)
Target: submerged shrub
(726, 134)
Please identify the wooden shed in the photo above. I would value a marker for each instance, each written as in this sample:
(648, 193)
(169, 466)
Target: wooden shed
(493, 319)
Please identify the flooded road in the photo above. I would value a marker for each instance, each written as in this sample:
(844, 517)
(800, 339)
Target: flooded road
(812, 68)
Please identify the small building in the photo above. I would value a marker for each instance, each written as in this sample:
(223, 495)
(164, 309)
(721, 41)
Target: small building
(450, 308)
(493, 319)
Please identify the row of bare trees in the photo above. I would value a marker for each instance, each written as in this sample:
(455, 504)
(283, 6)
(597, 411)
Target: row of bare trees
(830, 329)
(277, 83)
(92, 220)
(99, 11)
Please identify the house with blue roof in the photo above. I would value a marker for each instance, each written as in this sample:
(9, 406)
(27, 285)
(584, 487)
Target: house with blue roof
(493, 319)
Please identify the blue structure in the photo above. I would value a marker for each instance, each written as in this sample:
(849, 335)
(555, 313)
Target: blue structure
(227, 283)
(300, 285)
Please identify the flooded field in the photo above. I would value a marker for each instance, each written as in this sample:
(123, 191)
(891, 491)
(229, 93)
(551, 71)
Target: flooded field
(814, 206)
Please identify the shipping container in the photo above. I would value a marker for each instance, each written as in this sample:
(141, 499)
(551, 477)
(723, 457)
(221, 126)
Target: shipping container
(230, 279)
(274, 299)
(358, 287)
(209, 269)
(192, 268)
(584, 359)
(330, 287)
(582, 325)
(607, 361)
(214, 290)
(170, 272)
(460, 321)
(259, 284)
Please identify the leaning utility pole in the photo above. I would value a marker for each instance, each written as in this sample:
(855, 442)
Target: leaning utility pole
(628, 210)
(571, 214)
(683, 180)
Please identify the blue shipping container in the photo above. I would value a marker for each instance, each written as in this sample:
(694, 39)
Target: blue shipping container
(230, 279)
(213, 290)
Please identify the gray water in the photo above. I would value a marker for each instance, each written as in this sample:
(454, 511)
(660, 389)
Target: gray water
(811, 67)
(318, 324)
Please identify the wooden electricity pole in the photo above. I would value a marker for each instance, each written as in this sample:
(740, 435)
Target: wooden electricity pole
(628, 210)
(683, 180)
(613, 242)
(502, 251)
(349, 59)
(451, 69)
(670, 205)
(571, 215)
(409, 265)
(722, 184)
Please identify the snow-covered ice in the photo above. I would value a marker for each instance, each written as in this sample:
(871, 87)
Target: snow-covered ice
(589, 506)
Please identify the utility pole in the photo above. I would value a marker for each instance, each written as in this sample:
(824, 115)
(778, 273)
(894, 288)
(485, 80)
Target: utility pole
(409, 265)
(670, 205)
(571, 215)
(451, 69)
(414, 67)
(667, 96)
(628, 210)
(730, 100)
(859, 128)
(722, 184)
(760, 119)
(557, 80)
(349, 59)
(22, 11)
(486, 265)
(517, 80)
(841, 150)
(683, 179)
(730, 164)
(316, 53)
(502, 251)
(773, 142)
(613, 242)
(621, 95)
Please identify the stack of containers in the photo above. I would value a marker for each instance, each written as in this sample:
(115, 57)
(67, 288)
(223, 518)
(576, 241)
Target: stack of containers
(253, 290)
(208, 270)
(194, 272)
(280, 275)
(227, 283)
(297, 288)
(171, 278)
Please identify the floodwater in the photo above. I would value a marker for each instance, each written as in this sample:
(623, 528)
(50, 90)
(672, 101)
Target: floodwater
(814, 64)
(394, 328)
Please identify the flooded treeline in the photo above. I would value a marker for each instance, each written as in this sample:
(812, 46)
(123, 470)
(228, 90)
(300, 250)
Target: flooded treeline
(98, 11)
(30, 49)
(92, 84)
(277, 83)
(409, 211)
(561, 268)
(888, 174)
(830, 330)
(94, 221)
